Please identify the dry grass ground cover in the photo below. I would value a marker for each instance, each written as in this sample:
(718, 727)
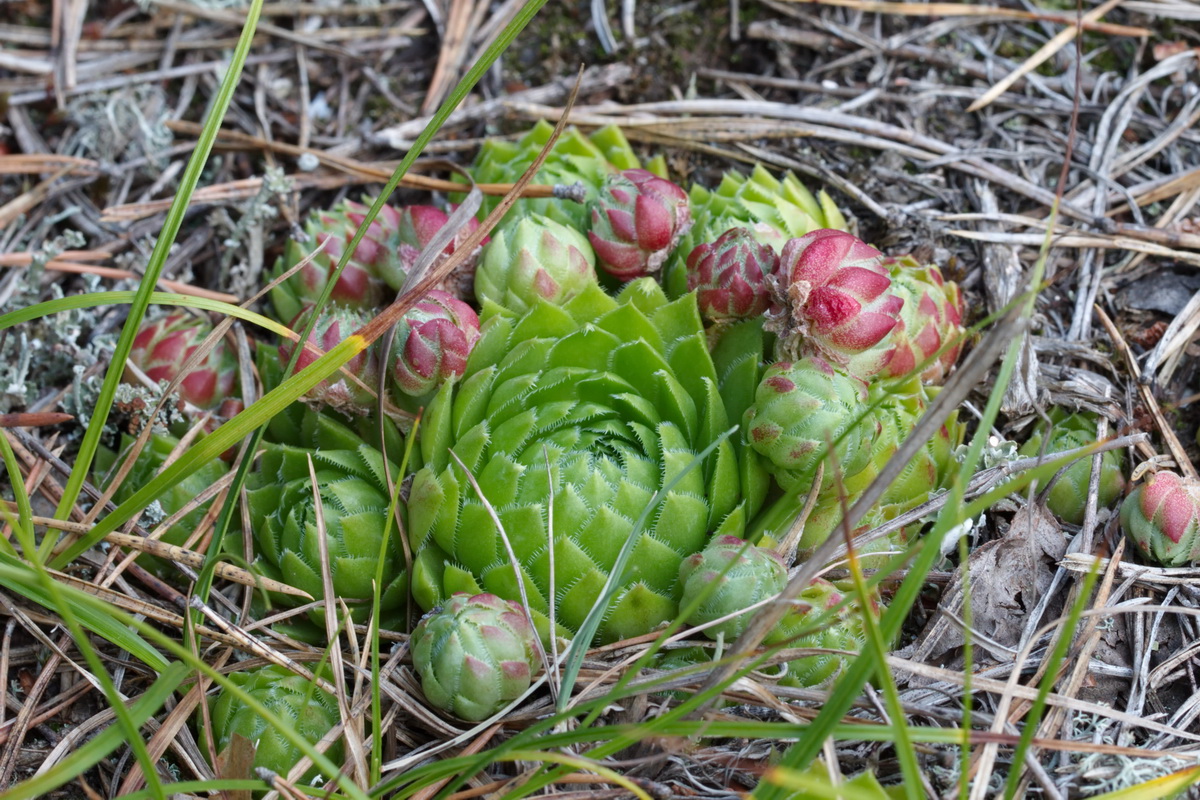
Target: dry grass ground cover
(1011, 144)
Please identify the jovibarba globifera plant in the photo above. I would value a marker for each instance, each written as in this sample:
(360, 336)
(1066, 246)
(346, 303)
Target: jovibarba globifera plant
(580, 412)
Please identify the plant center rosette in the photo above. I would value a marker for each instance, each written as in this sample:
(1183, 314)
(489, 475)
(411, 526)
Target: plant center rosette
(571, 418)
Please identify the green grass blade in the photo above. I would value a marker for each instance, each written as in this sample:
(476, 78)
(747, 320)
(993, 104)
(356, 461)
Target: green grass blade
(102, 744)
(154, 268)
(1057, 656)
(96, 299)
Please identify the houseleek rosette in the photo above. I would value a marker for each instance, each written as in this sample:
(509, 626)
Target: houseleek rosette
(1068, 496)
(354, 505)
(162, 347)
(475, 655)
(586, 410)
(1162, 517)
(310, 712)
(575, 159)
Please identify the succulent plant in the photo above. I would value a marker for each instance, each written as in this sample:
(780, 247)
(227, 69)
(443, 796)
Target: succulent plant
(475, 654)
(637, 219)
(1162, 517)
(1068, 496)
(360, 285)
(836, 297)
(774, 209)
(338, 391)
(898, 408)
(930, 318)
(743, 574)
(596, 404)
(811, 624)
(310, 711)
(433, 341)
(801, 409)
(730, 275)
(534, 258)
(163, 345)
(415, 228)
(148, 464)
(574, 159)
(354, 504)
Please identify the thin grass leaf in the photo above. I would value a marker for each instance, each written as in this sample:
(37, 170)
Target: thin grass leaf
(156, 263)
(97, 299)
(1057, 656)
(104, 743)
(1167, 786)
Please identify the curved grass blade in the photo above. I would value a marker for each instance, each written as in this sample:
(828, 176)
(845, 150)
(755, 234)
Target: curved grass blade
(158, 260)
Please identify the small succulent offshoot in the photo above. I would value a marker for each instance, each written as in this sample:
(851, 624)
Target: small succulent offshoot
(309, 710)
(433, 342)
(352, 396)
(803, 408)
(1069, 494)
(744, 576)
(475, 655)
(360, 286)
(636, 221)
(1162, 517)
(836, 297)
(162, 347)
(534, 258)
(730, 276)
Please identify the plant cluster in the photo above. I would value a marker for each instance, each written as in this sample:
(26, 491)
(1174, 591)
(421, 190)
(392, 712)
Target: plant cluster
(627, 401)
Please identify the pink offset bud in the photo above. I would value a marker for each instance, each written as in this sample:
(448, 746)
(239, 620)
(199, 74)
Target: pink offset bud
(433, 341)
(349, 395)
(837, 295)
(415, 229)
(162, 346)
(730, 275)
(1162, 517)
(930, 319)
(636, 221)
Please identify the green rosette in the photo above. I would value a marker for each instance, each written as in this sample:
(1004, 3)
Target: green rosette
(574, 159)
(1068, 496)
(354, 498)
(821, 620)
(310, 711)
(571, 418)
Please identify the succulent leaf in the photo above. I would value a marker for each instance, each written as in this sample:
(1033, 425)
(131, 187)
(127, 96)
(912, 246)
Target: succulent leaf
(433, 342)
(636, 221)
(310, 711)
(1068, 496)
(1162, 517)
(163, 345)
(475, 654)
(597, 404)
(534, 258)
